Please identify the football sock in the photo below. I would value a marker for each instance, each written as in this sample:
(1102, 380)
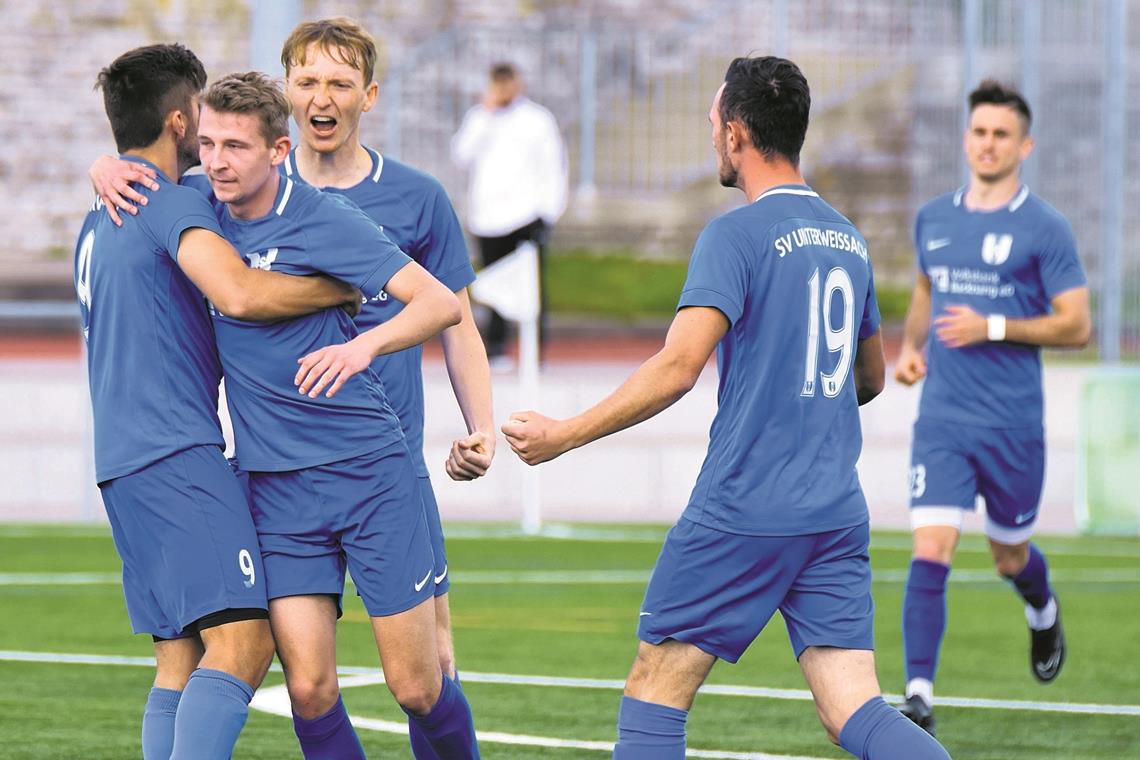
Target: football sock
(211, 714)
(922, 688)
(421, 750)
(158, 723)
(449, 729)
(649, 731)
(877, 731)
(1042, 619)
(1033, 580)
(329, 736)
(924, 617)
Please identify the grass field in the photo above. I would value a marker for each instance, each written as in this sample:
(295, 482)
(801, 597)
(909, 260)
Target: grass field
(541, 609)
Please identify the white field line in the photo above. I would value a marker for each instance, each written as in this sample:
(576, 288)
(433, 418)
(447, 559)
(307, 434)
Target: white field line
(972, 544)
(606, 577)
(275, 700)
(754, 692)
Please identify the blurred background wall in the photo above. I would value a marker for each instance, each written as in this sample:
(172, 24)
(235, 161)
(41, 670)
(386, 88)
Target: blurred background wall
(630, 82)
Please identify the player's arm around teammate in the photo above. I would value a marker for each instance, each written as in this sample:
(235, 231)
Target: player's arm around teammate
(429, 308)
(214, 266)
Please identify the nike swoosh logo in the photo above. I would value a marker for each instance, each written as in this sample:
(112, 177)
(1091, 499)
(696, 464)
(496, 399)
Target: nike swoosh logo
(643, 614)
(439, 578)
(420, 585)
(934, 245)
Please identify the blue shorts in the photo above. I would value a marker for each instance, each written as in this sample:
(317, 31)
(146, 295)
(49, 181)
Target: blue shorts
(718, 590)
(364, 513)
(183, 530)
(952, 464)
(435, 530)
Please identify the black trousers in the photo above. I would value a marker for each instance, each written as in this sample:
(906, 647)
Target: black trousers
(491, 249)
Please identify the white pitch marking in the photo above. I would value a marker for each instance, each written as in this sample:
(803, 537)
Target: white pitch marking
(756, 692)
(275, 700)
(604, 577)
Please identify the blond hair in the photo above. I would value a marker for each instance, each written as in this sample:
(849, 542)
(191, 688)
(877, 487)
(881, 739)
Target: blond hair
(341, 37)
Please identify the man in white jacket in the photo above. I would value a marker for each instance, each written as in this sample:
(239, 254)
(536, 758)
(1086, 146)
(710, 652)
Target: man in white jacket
(518, 184)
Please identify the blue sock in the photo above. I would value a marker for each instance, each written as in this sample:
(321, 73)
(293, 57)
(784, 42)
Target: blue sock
(158, 723)
(648, 731)
(329, 736)
(210, 716)
(924, 617)
(421, 750)
(878, 731)
(448, 730)
(1033, 580)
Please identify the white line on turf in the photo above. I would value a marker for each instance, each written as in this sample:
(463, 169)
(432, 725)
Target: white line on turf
(755, 692)
(275, 700)
(972, 543)
(607, 577)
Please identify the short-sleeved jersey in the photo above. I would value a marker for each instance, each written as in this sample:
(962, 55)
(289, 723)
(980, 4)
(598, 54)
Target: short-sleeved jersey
(151, 359)
(414, 211)
(275, 427)
(1010, 261)
(794, 279)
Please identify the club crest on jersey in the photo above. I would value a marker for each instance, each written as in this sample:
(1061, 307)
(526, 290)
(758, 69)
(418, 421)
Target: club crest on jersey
(258, 260)
(995, 248)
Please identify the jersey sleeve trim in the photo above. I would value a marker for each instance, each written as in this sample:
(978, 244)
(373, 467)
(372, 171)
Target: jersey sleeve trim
(707, 297)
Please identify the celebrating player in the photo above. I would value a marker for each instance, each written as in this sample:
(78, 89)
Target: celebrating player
(998, 277)
(329, 79)
(330, 476)
(783, 289)
(329, 68)
(192, 570)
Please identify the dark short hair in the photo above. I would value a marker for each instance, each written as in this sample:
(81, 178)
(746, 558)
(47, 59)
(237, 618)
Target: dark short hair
(993, 92)
(143, 85)
(504, 71)
(252, 92)
(770, 97)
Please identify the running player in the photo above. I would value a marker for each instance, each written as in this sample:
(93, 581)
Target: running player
(998, 277)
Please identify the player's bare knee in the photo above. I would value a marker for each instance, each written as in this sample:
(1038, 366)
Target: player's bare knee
(934, 549)
(312, 694)
(416, 695)
(1009, 561)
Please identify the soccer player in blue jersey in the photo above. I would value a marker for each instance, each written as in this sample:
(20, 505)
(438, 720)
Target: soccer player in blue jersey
(331, 479)
(998, 277)
(783, 290)
(192, 570)
(329, 80)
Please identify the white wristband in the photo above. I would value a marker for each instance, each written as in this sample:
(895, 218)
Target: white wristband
(995, 327)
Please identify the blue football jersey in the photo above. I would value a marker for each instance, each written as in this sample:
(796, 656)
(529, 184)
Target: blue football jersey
(1010, 261)
(276, 428)
(414, 211)
(151, 360)
(794, 279)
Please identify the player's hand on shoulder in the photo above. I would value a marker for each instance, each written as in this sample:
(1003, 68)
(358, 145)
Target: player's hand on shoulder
(331, 365)
(112, 177)
(960, 326)
(535, 437)
(470, 457)
(911, 366)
